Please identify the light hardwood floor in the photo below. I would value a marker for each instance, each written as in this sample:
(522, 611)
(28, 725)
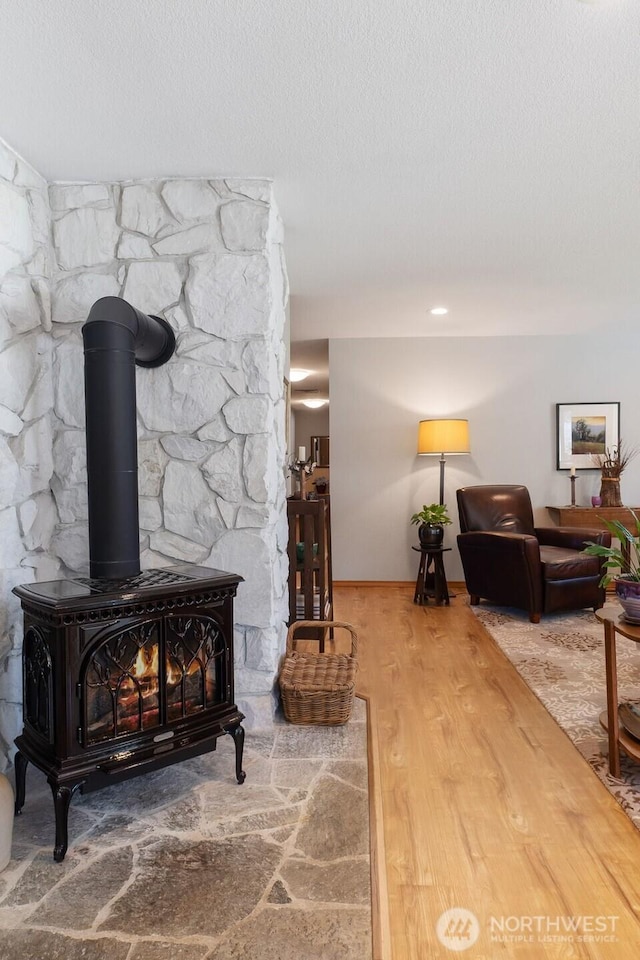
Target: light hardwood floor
(486, 804)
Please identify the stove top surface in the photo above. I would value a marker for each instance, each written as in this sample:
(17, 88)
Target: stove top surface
(181, 578)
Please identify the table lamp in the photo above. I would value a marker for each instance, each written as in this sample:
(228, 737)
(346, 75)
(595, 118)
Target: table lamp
(440, 437)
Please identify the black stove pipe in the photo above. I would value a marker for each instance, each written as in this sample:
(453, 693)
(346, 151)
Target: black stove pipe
(116, 338)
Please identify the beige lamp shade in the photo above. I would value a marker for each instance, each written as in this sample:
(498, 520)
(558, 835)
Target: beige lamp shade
(443, 436)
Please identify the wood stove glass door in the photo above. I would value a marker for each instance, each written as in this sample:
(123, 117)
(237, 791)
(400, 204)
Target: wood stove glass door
(195, 667)
(122, 682)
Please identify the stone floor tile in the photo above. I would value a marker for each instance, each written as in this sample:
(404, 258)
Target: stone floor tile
(254, 822)
(218, 764)
(41, 876)
(336, 823)
(332, 743)
(347, 881)
(223, 800)
(297, 796)
(279, 893)
(76, 901)
(261, 740)
(359, 712)
(42, 945)
(289, 933)
(257, 767)
(207, 852)
(148, 950)
(221, 767)
(353, 771)
(294, 773)
(282, 835)
(195, 887)
(36, 824)
(110, 830)
(258, 822)
(183, 816)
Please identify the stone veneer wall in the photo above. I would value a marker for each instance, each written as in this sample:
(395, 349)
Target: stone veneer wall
(27, 511)
(207, 255)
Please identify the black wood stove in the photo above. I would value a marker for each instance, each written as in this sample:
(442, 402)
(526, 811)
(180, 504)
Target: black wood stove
(123, 672)
(121, 678)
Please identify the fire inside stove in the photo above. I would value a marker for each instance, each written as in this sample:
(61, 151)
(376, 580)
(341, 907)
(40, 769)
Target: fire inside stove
(138, 679)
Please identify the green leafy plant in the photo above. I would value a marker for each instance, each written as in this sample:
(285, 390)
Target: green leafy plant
(434, 513)
(628, 562)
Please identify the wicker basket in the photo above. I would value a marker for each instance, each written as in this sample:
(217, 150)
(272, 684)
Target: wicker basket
(318, 688)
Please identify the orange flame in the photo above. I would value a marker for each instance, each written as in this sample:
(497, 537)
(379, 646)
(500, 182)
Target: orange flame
(146, 664)
(173, 675)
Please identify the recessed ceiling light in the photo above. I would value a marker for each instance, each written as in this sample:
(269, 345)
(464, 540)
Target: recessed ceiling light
(314, 404)
(438, 311)
(296, 374)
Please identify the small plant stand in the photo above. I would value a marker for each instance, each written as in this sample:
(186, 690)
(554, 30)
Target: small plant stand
(431, 583)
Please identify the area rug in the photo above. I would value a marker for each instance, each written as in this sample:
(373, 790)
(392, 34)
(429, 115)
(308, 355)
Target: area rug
(562, 661)
(185, 864)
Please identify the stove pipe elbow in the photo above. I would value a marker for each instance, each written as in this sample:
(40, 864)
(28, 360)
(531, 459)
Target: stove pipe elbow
(116, 338)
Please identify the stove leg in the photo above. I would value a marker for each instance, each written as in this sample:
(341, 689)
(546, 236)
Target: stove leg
(21, 763)
(237, 733)
(61, 800)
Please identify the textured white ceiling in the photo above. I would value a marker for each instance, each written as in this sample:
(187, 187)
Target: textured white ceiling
(480, 153)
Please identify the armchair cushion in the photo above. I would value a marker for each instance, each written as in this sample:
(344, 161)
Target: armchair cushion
(558, 563)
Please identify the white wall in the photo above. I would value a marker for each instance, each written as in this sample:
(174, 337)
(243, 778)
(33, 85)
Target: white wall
(310, 423)
(27, 511)
(507, 387)
(207, 256)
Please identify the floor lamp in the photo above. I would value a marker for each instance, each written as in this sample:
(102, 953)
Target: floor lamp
(440, 437)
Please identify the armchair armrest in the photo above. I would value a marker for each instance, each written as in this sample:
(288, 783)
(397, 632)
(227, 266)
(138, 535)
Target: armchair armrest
(507, 543)
(503, 567)
(502, 548)
(572, 538)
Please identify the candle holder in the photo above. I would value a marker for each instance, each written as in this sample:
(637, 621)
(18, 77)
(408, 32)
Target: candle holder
(301, 469)
(573, 490)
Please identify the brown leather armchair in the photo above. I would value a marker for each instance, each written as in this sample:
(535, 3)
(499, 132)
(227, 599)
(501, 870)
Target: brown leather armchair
(510, 562)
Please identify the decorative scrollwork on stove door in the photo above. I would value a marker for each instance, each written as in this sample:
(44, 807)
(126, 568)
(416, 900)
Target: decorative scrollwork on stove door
(121, 683)
(195, 665)
(38, 684)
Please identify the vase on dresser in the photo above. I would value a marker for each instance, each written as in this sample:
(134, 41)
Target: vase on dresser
(610, 492)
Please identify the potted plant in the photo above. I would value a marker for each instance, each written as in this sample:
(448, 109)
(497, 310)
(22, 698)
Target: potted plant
(432, 519)
(626, 559)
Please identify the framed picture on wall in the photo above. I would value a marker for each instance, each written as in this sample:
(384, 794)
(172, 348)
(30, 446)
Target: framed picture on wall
(585, 429)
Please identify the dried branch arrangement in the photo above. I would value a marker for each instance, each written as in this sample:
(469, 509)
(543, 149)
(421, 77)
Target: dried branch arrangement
(614, 460)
